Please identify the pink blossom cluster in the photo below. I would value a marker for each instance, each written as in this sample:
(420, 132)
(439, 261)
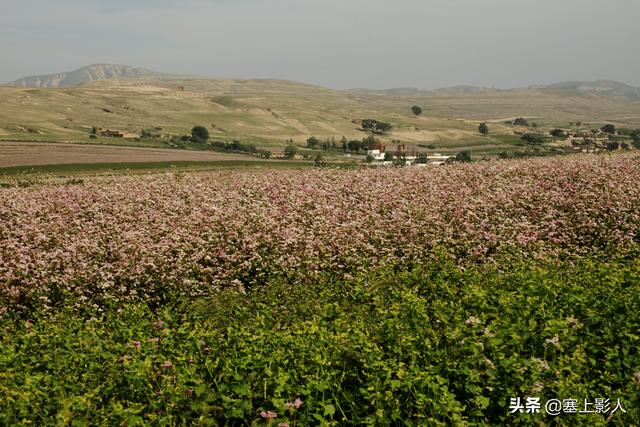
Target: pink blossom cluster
(136, 237)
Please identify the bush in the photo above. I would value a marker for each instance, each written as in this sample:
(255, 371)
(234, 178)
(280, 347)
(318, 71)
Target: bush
(416, 110)
(533, 138)
(521, 122)
(290, 151)
(463, 157)
(483, 129)
(376, 126)
(200, 134)
(609, 128)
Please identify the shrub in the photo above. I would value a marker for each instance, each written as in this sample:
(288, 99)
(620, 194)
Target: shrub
(290, 151)
(200, 134)
(608, 128)
(533, 138)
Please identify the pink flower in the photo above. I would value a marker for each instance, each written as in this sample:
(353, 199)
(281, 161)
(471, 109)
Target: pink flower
(167, 365)
(283, 425)
(298, 403)
(136, 344)
(268, 414)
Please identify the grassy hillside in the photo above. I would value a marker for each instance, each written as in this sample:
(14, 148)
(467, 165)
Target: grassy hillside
(269, 112)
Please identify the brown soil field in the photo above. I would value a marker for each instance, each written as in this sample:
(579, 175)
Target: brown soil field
(42, 153)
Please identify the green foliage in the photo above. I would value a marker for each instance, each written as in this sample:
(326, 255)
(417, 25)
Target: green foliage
(290, 151)
(609, 128)
(354, 145)
(313, 142)
(635, 137)
(200, 134)
(416, 110)
(483, 129)
(558, 133)
(376, 126)
(464, 157)
(437, 346)
(533, 138)
(520, 121)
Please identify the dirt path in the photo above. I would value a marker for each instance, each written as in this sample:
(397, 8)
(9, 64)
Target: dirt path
(42, 153)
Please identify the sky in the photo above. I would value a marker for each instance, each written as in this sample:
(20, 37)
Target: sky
(340, 44)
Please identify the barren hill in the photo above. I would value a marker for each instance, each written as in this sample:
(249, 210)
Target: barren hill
(83, 75)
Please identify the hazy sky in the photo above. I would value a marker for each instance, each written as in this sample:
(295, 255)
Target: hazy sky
(334, 43)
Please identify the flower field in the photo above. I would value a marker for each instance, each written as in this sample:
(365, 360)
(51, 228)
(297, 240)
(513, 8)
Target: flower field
(399, 296)
(130, 238)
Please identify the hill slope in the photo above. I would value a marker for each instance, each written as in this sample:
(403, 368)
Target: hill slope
(83, 75)
(601, 87)
(271, 112)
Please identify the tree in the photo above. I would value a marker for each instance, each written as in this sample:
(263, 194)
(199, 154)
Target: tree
(313, 142)
(354, 145)
(200, 134)
(609, 128)
(533, 138)
(635, 137)
(290, 151)
(319, 161)
(463, 157)
(416, 110)
(558, 133)
(484, 129)
(613, 146)
(375, 126)
(422, 159)
(369, 142)
(521, 122)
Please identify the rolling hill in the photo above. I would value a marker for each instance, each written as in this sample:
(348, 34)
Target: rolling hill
(269, 113)
(601, 87)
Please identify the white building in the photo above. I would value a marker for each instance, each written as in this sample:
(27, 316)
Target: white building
(376, 154)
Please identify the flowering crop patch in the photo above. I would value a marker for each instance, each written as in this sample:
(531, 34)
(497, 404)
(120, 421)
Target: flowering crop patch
(142, 237)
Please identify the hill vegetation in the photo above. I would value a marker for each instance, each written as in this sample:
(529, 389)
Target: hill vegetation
(272, 113)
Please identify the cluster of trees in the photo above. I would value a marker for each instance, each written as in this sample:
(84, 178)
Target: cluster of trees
(610, 129)
(532, 138)
(200, 137)
(239, 147)
(344, 145)
(375, 126)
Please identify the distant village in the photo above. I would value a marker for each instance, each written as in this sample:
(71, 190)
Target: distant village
(375, 153)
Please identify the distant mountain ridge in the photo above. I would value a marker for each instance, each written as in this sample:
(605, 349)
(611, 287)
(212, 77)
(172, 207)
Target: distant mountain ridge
(600, 87)
(83, 75)
(97, 72)
(412, 91)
